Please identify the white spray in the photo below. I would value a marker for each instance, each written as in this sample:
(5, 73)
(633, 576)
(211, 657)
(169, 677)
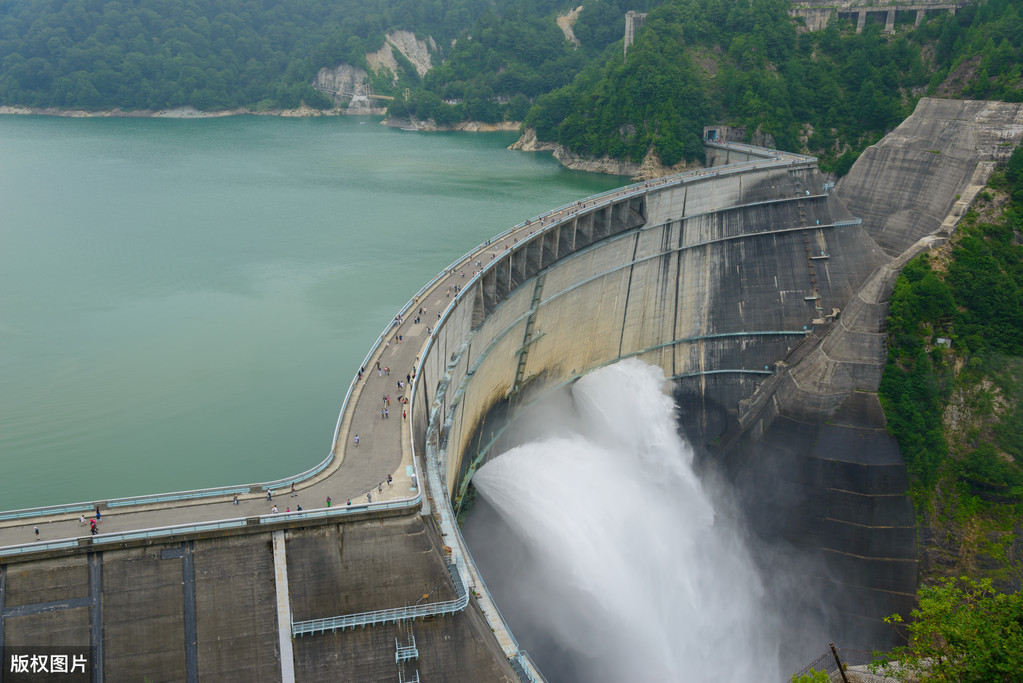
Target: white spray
(620, 569)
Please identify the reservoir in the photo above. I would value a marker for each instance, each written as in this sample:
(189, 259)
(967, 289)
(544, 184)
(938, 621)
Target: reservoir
(183, 302)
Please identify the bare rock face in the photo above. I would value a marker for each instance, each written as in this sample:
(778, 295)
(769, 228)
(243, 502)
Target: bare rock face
(344, 83)
(414, 50)
(653, 168)
(405, 42)
(348, 85)
(528, 142)
(570, 159)
(565, 23)
(650, 168)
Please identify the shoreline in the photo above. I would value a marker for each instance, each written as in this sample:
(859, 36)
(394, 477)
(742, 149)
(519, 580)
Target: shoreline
(526, 143)
(175, 113)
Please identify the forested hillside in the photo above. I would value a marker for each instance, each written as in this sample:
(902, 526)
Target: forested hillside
(830, 92)
(953, 388)
(215, 54)
(745, 63)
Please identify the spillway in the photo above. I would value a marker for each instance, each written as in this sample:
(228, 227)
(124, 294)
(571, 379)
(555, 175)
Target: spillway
(762, 297)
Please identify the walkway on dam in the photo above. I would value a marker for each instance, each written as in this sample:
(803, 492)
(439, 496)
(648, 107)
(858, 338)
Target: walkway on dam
(356, 473)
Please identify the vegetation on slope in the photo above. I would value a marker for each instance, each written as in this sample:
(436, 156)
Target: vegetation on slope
(217, 54)
(956, 410)
(963, 631)
(744, 63)
(830, 92)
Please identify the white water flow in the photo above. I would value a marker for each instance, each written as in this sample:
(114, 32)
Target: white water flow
(619, 567)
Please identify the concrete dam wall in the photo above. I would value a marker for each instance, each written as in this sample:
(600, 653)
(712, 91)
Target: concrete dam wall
(715, 280)
(763, 298)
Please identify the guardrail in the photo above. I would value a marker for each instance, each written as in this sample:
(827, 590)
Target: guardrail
(384, 616)
(214, 525)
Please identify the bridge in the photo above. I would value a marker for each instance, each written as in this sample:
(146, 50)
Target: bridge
(817, 13)
(728, 278)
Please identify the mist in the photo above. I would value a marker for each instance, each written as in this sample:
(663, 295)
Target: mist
(607, 555)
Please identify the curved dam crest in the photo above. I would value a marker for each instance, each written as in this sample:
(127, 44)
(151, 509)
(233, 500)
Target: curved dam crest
(757, 287)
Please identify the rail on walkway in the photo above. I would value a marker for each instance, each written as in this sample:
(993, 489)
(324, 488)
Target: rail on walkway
(201, 527)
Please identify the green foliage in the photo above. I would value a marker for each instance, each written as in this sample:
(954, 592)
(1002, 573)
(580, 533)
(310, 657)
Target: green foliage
(693, 62)
(977, 303)
(219, 54)
(914, 386)
(812, 676)
(963, 631)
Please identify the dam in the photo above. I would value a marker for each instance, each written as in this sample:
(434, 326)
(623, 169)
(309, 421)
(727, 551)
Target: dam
(756, 285)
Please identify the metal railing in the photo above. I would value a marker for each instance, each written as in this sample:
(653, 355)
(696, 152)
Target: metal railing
(384, 616)
(853, 662)
(214, 525)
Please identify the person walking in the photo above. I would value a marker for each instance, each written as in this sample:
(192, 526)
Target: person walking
(328, 501)
(273, 510)
(235, 501)
(356, 440)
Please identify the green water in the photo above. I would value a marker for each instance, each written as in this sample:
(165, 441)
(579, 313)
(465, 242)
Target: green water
(184, 302)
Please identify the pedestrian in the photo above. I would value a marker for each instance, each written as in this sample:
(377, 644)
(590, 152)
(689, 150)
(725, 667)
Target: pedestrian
(383, 413)
(387, 413)
(273, 509)
(92, 527)
(389, 480)
(378, 365)
(287, 509)
(298, 508)
(269, 494)
(369, 497)
(408, 378)
(293, 494)
(99, 516)
(387, 371)
(37, 531)
(328, 501)
(235, 499)
(380, 487)
(349, 502)
(81, 520)
(356, 440)
(404, 414)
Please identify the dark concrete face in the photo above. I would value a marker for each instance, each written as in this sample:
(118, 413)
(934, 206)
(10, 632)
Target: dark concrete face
(829, 499)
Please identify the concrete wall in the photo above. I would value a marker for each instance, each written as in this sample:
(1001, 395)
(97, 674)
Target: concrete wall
(205, 609)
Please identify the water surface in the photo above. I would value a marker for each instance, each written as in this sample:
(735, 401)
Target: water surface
(184, 302)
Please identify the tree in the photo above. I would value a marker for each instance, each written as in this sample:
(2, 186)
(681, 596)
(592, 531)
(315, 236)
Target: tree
(962, 631)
